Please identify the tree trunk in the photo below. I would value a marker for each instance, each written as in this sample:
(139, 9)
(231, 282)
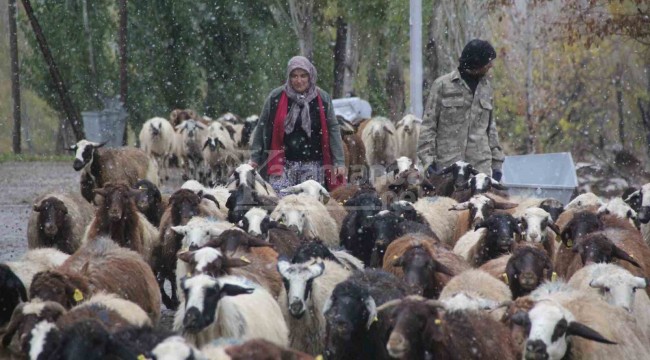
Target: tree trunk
(618, 84)
(339, 57)
(15, 75)
(71, 113)
(123, 63)
(532, 143)
(351, 60)
(91, 54)
(301, 16)
(431, 67)
(395, 87)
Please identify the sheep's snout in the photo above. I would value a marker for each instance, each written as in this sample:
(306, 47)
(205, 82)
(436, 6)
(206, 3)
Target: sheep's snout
(192, 320)
(528, 280)
(296, 309)
(295, 229)
(78, 164)
(50, 229)
(115, 214)
(536, 350)
(397, 345)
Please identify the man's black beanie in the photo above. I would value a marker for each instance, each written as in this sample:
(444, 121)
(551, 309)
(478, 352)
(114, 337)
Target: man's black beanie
(476, 54)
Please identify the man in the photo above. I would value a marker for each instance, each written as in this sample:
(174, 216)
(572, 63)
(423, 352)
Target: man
(458, 123)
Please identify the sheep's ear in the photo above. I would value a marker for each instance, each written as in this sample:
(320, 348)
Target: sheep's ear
(201, 125)
(472, 170)
(180, 229)
(633, 196)
(220, 144)
(520, 318)
(72, 148)
(399, 123)
(100, 191)
(101, 144)
(317, 269)
(398, 262)
(481, 224)
(552, 225)
(211, 198)
(621, 254)
(291, 190)
(505, 205)
(234, 290)
(640, 282)
(325, 195)
(38, 207)
(497, 185)
(596, 283)
(447, 170)
(206, 144)
(461, 206)
(386, 129)
(236, 262)
(577, 329)
(372, 310)
(443, 269)
(186, 256)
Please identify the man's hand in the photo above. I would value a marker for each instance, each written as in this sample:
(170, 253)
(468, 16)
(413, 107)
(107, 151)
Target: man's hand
(497, 174)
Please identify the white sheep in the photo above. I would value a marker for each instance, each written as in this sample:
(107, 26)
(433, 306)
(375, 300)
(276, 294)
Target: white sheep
(253, 219)
(538, 227)
(407, 134)
(219, 130)
(618, 287)
(584, 201)
(479, 290)
(435, 211)
(193, 134)
(308, 216)
(200, 230)
(378, 136)
(317, 191)
(619, 208)
(230, 306)
(309, 285)
(567, 323)
(157, 140)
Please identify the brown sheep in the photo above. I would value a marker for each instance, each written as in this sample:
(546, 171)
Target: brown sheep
(425, 265)
(261, 349)
(101, 265)
(59, 221)
(100, 166)
(118, 217)
(423, 329)
(183, 205)
(356, 155)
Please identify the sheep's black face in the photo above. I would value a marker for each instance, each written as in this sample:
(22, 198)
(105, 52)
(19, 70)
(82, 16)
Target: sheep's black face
(84, 154)
(419, 270)
(239, 202)
(12, 291)
(345, 323)
(553, 207)
(408, 320)
(87, 339)
(149, 195)
(526, 269)
(185, 205)
(51, 217)
(595, 249)
(583, 223)
(500, 231)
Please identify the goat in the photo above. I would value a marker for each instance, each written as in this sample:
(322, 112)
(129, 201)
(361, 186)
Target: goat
(407, 134)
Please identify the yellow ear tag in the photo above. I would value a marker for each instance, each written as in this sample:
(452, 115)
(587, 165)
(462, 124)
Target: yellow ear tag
(554, 276)
(632, 256)
(505, 278)
(437, 321)
(244, 259)
(569, 243)
(141, 357)
(394, 257)
(375, 319)
(78, 295)
(319, 357)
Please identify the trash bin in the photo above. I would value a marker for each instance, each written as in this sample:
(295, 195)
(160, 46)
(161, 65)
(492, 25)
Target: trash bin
(353, 109)
(106, 125)
(541, 176)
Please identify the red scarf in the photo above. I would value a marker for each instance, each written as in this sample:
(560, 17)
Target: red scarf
(276, 161)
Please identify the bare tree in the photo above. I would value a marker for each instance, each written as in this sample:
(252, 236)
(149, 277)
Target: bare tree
(339, 57)
(15, 75)
(302, 18)
(61, 89)
(123, 63)
(395, 86)
(351, 59)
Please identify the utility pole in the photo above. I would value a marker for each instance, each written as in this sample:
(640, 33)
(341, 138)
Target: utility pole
(15, 75)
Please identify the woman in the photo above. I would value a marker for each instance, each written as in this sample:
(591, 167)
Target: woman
(297, 136)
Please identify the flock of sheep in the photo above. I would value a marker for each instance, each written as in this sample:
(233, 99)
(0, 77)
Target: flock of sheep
(405, 265)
